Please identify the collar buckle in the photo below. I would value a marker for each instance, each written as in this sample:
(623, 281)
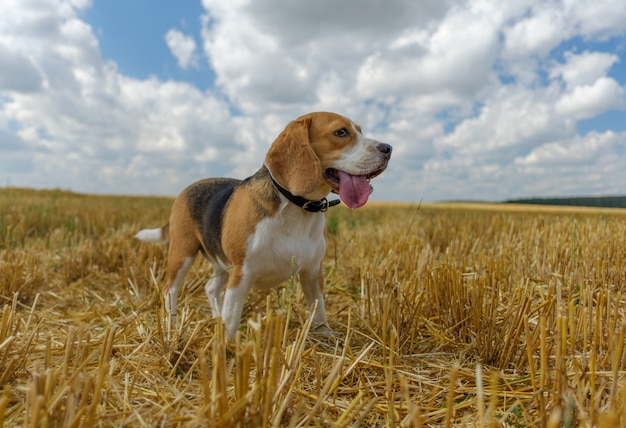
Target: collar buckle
(316, 206)
(311, 206)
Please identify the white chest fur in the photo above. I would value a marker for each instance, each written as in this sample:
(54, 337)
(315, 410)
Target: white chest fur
(290, 241)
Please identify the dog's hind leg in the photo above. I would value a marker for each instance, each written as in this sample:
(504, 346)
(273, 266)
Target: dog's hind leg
(214, 287)
(176, 271)
(181, 254)
(234, 299)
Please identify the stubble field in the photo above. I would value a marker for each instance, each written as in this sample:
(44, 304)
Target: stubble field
(444, 315)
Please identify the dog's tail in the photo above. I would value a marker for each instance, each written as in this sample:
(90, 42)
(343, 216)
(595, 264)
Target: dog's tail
(161, 234)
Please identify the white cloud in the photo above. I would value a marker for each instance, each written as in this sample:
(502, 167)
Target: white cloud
(580, 165)
(589, 92)
(512, 119)
(586, 101)
(17, 72)
(85, 126)
(81, 4)
(591, 164)
(542, 26)
(599, 18)
(183, 48)
(583, 69)
(578, 151)
(446, 60)
(278, 53)
(539, 32)
(470, 94)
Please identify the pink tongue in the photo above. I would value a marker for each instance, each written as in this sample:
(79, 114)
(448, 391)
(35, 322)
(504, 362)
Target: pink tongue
(353, 190)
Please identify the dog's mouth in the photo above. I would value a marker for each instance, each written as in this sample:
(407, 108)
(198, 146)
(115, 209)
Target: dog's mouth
(353, 189)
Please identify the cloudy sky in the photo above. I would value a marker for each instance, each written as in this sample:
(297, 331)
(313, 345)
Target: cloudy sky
(481, 99)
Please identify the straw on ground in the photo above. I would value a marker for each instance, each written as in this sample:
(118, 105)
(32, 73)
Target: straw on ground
(446, 315)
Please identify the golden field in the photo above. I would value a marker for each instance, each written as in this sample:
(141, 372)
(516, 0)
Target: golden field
(444, 315)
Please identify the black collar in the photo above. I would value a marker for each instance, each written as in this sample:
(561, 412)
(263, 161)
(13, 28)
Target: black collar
(307, 205)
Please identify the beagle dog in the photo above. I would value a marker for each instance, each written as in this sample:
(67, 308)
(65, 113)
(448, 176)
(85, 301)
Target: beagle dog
(257, 231)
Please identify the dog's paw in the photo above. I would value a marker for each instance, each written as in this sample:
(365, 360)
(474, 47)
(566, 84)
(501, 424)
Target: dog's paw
(323, 330)
(324, 336)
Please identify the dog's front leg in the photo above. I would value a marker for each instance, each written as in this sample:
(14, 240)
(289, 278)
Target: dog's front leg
(312, 287)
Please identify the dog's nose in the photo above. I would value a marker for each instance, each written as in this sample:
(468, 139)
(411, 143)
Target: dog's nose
(385, 149)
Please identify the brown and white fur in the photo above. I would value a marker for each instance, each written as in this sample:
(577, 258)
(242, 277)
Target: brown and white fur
(251, 233)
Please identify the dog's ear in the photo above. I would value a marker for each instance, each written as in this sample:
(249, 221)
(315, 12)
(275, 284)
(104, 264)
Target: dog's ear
(292, 161)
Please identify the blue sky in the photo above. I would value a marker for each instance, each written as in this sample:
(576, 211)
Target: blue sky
(481, 99)
(135, 41)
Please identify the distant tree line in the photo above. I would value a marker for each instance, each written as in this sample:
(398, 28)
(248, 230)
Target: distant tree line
(583, 201)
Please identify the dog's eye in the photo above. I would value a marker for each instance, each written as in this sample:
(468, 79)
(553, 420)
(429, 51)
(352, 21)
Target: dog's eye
(343, 132)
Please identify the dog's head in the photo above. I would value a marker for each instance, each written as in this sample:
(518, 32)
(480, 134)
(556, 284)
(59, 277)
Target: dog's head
(322, 152)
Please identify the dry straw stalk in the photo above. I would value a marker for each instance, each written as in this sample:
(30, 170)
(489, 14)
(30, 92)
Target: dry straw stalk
(445, 315)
